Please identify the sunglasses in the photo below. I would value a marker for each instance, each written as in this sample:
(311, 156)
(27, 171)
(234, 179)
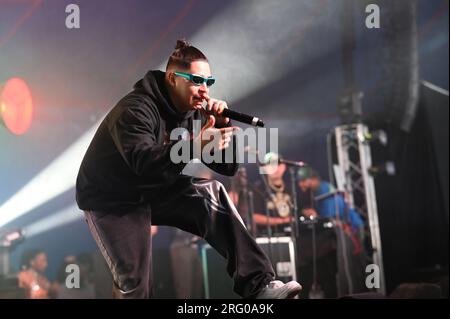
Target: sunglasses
(197, 79)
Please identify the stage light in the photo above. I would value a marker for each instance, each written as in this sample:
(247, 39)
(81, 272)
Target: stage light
(58, 177)
(387, 168)
(16, 106)
(262, 55)
(374, 136)
(11, 238)
(66, 216)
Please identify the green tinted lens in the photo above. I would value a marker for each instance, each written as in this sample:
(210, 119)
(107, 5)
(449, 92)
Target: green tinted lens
(210, 82)
(198, 80)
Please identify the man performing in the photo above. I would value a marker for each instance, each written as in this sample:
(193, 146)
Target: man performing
(127, 182)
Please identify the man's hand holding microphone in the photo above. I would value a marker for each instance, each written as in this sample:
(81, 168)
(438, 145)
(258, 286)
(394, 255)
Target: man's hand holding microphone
(221, 137)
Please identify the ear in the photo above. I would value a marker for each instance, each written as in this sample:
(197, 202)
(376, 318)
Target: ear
(171, 78)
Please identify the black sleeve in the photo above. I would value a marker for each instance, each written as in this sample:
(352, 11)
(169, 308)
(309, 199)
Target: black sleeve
(134, 134)
(228, 169)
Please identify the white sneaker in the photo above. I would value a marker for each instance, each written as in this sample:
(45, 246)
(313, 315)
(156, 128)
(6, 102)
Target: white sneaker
(278, 290)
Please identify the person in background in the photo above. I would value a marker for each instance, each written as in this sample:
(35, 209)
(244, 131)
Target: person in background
(273, 203)
(32, 278)
(341, 259)
(325, 201)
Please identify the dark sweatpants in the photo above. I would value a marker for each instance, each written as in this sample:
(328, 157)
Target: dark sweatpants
(199, 206)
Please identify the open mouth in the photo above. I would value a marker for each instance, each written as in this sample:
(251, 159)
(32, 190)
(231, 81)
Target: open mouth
(197, 101)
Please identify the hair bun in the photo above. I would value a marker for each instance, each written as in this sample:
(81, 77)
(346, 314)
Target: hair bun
(182, 44)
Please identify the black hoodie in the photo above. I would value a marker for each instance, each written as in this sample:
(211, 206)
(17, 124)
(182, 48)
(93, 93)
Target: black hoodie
(128, 161)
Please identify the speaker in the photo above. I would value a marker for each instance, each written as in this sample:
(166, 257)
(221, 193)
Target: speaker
(216, 282)
(218, 285)
(280, 251)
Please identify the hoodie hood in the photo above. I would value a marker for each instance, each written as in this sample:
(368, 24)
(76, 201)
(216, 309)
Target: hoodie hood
(154, 86)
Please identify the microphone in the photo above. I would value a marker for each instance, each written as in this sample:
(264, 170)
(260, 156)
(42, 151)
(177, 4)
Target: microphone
(241, 117)
(274, 157)
(292, 163)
